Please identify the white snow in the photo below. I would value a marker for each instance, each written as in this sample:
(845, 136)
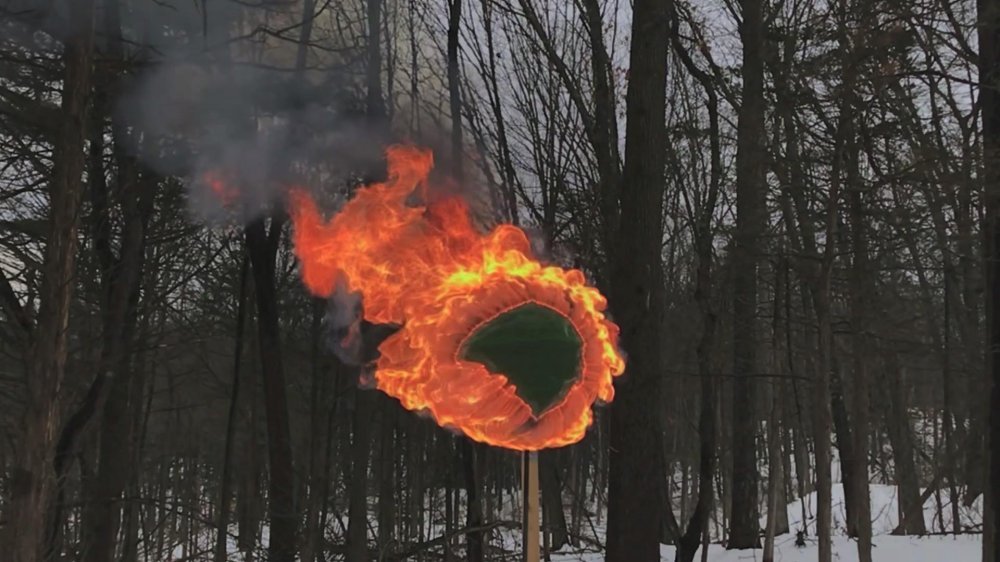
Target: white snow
(887, 548)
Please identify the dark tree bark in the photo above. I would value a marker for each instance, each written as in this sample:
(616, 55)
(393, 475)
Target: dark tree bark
(989, 101)
(822, 420)
(604, 127)
(552, 500)
(816, 271)
(744, 531)
(364, 403)
(901, 440)
(117, 383)
(386, 475)
(862, 288)
(357, 516)
(697, 528)
(262, 245)
(845, 446)
(312, 533)
(471, 470)
(249, 510)
(472, 476)
(32, 481)
(774, 474)
(455, 87)
(803, 240)
(225, 494)
(636, 455)
(508, 174)
(375, 104)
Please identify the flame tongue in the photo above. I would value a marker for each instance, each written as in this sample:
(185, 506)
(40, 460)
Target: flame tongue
(465, 302)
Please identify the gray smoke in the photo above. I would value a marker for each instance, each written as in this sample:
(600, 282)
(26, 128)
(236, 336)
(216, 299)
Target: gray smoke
(343, 324)
(203, 116)
(352, 339)
(200, 106)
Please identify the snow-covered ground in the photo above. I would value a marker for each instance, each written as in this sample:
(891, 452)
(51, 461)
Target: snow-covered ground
(887, 548)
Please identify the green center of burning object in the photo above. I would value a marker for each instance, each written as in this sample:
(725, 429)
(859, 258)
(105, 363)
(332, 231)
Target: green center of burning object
(535, 347)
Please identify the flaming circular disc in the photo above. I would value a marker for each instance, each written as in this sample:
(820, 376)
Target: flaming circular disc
(492, 342)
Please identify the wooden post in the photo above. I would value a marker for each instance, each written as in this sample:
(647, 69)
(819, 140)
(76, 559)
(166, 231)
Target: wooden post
(529, 521)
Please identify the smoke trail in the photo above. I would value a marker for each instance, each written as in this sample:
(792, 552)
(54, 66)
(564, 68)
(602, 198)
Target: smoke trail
(240, 130)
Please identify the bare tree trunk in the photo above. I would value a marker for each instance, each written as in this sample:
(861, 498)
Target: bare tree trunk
(636, 455)
(319, 439)
(901, 440)
(225, 496)
(697, 532)
(784, 441)
(944, 344)
(117, 379)
(470, 466)
(774, 474)
(823, 422)
(489, 70)
(816, 270)
(845, 446)
(386, 491)
(329, 445)
(989, 75)
(357, 520)
(455, 87)
(357, 517)
(552, 500)
(262, 247)
(130, 534)
(32, 483)
(101, 518)
(744, 529)
(375, 105)
(861, 295)
(777, 513)
(802, 237)
(947, 420)
(604, 128)
(248, 500)
(472, 475)
(449, 506)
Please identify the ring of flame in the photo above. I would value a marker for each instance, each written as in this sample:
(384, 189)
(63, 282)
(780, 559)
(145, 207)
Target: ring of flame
(429, 270)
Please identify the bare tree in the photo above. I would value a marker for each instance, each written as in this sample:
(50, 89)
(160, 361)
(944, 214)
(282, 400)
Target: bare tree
(989, 59)
(33, 481)
(744, 528)
(636, 457)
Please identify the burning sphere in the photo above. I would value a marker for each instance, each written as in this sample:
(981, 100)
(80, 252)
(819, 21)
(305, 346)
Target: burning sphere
(509, 351)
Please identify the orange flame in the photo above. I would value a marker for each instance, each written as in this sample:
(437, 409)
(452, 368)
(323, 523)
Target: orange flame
(428, 269)
(223, 191)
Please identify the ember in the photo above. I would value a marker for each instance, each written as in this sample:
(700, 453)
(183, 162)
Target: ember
(482, 319)
(223, 191)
